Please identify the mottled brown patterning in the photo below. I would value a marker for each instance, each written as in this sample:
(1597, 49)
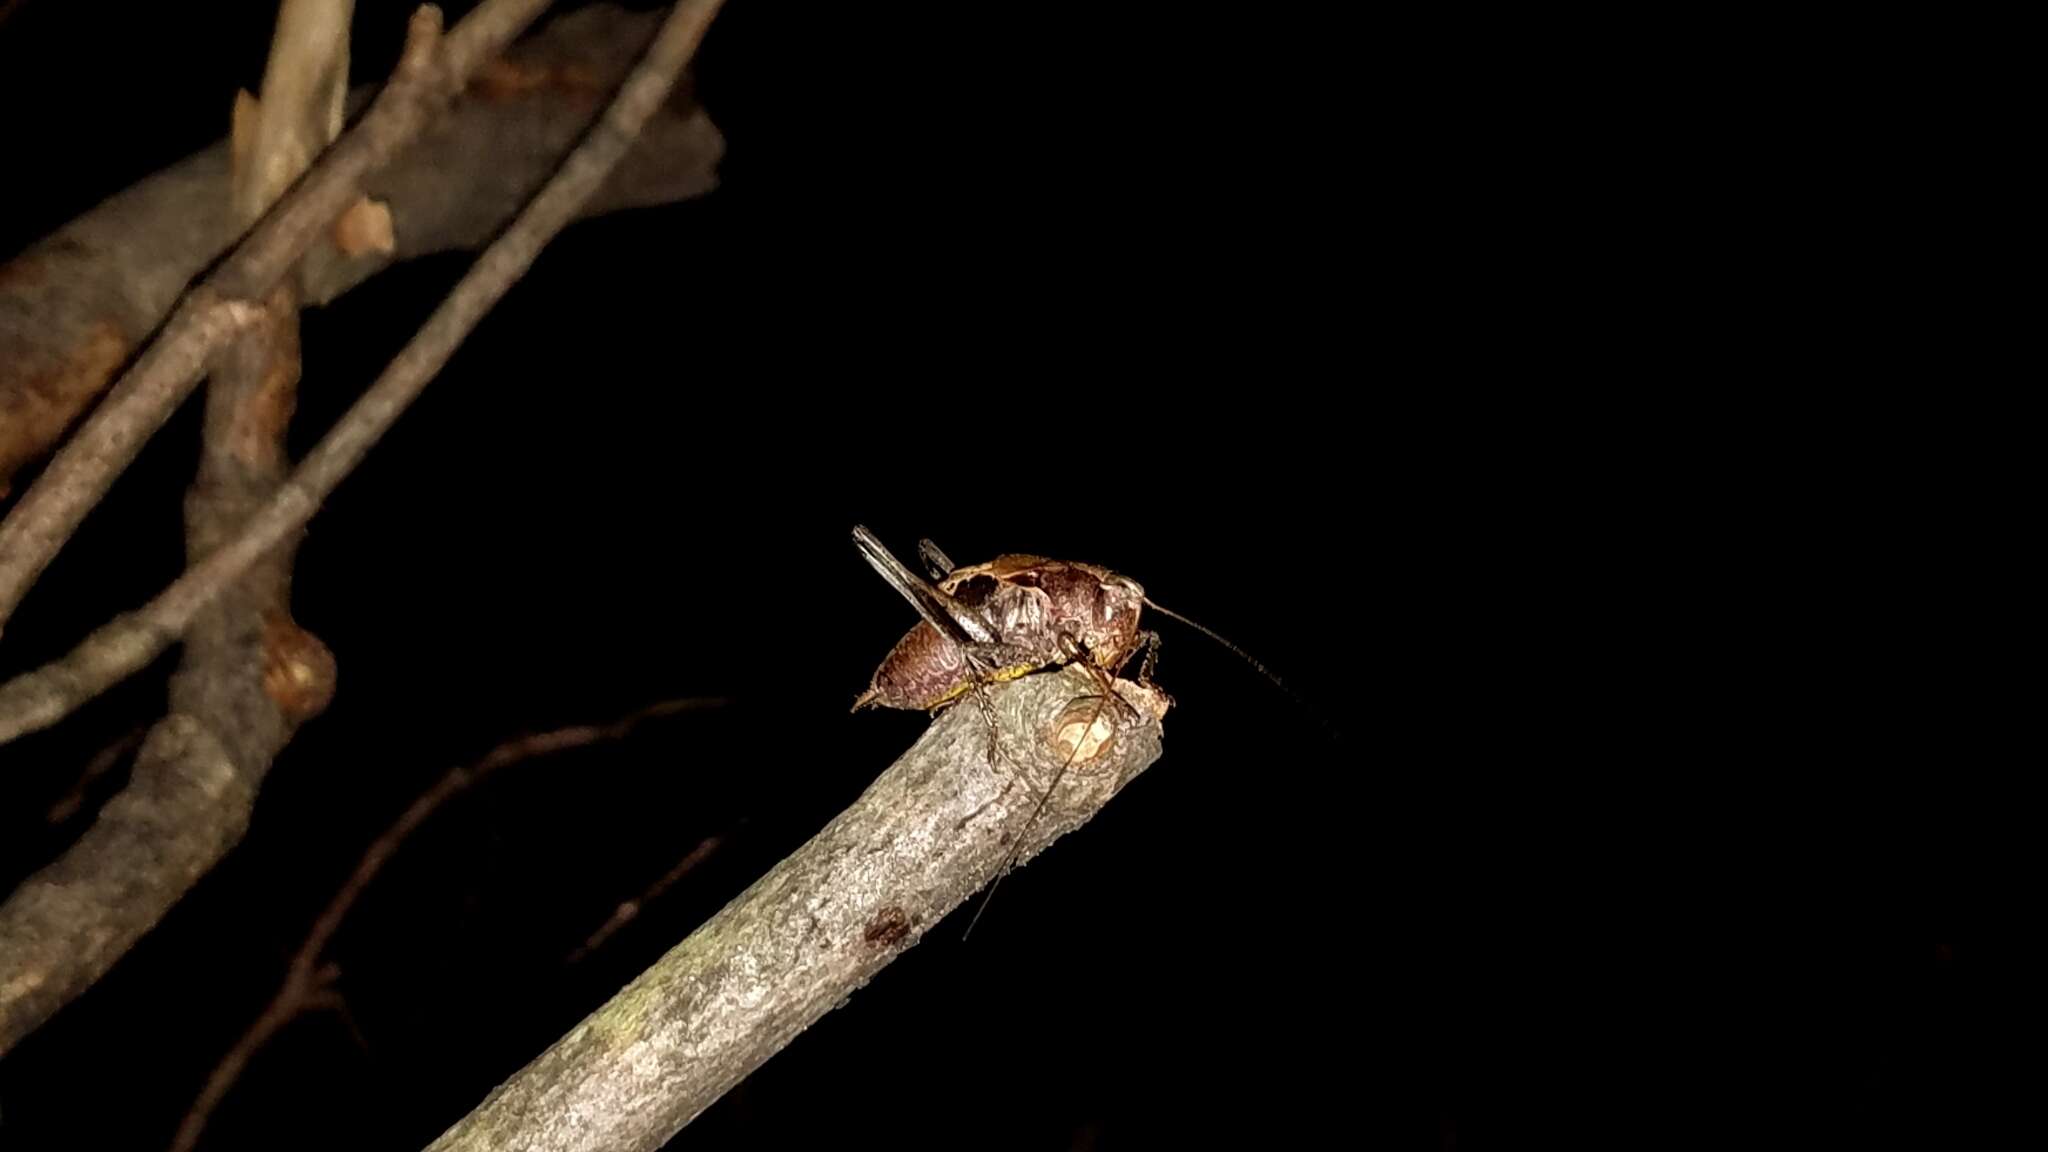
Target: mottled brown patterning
(1027, 601)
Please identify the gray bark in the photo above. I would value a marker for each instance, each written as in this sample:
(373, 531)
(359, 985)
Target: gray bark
(931, 831)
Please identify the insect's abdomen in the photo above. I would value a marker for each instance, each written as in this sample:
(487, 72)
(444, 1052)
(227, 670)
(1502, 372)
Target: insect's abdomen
(925, 671)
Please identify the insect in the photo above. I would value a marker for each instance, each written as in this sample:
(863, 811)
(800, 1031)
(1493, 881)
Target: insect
(997, 621)
(1015, 615)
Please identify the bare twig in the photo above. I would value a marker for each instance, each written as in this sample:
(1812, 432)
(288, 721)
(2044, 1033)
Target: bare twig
(629, 910)
(927, 834)
(309, 984)
(37, 699)
(102, 762)
(75, 304)
(430, 71)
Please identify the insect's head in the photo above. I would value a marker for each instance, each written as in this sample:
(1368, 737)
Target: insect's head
(1122, 590)
(1120, 600)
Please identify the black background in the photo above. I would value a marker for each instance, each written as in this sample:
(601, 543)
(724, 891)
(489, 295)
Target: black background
(1349, 338)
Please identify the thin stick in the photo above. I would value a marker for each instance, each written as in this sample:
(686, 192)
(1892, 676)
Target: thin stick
(430, 71)
(308, 984)
(37, 699)
(629, 910)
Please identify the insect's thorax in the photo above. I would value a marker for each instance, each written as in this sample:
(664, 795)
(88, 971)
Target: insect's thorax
(1031, 601)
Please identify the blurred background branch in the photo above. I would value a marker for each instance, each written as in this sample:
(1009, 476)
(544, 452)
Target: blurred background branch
(74, 305)
(212, 313)
(310, 984)
(251, 676)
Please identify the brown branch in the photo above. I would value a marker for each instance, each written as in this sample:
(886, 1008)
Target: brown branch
(934, 828)
(629, 910)
(37, 699)
(430, 71)
(309, 984)
(75, 304)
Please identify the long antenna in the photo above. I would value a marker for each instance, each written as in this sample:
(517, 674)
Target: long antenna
(1102, 702)
(1328, 729)
(1017, 846)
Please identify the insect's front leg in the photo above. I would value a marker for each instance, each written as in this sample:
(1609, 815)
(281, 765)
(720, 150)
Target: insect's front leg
(1149, 641)
(1076, 652)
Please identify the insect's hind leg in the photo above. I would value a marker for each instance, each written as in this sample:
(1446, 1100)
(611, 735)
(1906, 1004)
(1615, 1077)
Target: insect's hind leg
(935, 560)
(982, 675)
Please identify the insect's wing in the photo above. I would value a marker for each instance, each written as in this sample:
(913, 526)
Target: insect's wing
(954, 620)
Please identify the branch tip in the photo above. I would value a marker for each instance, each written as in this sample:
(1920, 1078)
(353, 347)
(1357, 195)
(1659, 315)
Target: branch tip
(422, 38)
